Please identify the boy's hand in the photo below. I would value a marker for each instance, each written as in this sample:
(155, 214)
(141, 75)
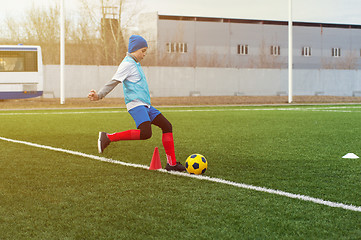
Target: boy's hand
(93, 96)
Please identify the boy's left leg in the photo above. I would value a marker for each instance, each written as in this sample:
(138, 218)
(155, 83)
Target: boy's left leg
(168, 143)
(167, 137)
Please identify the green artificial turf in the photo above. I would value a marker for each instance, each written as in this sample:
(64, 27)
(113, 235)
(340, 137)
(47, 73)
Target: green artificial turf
(53, 195)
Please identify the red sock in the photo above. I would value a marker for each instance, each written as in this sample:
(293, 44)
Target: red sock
(168, 144)
(126, 135)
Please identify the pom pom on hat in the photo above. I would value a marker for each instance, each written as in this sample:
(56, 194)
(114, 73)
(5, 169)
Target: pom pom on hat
(136, 42)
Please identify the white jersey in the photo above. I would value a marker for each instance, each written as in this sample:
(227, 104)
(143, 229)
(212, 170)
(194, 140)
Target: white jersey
(127, 71)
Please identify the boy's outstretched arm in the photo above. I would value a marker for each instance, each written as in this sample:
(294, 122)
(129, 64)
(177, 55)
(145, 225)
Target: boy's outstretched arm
(93, 96)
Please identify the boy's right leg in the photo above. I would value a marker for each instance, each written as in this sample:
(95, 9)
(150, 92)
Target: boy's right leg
(143, 132)
(126, 135)
(103, 141)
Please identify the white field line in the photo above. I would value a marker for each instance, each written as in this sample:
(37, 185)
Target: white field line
(342, 109)
(200, 177)
(57, 113)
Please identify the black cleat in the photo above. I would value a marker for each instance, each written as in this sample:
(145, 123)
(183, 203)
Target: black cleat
(103, 141)
(178, 167)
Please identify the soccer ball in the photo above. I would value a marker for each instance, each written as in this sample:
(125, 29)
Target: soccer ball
(196, 164)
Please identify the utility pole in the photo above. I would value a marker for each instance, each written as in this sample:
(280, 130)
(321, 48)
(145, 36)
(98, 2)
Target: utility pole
(290, 53)
(62, 51)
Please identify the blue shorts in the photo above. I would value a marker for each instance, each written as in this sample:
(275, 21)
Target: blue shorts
(143, 114)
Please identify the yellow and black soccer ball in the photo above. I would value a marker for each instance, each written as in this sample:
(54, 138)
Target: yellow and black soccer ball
(196, 164)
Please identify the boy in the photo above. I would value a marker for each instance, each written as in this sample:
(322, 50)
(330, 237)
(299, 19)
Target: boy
(137, 99)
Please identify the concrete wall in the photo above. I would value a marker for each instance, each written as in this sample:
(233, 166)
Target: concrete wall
(186, 81)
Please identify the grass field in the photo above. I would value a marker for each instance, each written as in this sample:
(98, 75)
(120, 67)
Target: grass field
(47, 194)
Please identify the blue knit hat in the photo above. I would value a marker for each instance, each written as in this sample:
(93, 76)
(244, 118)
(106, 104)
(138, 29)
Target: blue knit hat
(136, 42)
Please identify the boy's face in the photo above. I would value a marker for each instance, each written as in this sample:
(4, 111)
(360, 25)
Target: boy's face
(140, 53)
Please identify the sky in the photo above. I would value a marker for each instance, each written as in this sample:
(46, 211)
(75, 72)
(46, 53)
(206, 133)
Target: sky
(326, 11)
(330, 11)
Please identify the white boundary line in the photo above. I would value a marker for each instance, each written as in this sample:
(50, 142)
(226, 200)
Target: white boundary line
(341, 109)
(200, 177)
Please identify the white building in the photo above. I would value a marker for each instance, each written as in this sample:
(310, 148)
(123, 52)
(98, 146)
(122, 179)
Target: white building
(240, 43)
(191, 56)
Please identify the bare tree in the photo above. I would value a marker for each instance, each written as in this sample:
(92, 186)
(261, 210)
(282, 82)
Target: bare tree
(38, 27)
(92, 38)
(14, 30)
(106, 27)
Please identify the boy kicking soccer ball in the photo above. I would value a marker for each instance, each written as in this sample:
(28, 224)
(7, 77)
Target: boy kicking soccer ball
(137, 99)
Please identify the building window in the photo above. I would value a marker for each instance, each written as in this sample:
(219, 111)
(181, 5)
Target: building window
(171, 47)
(176, 47)
(242, 49)
(336, 52)
(275, 50)
(183, 48)
(306, 51)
